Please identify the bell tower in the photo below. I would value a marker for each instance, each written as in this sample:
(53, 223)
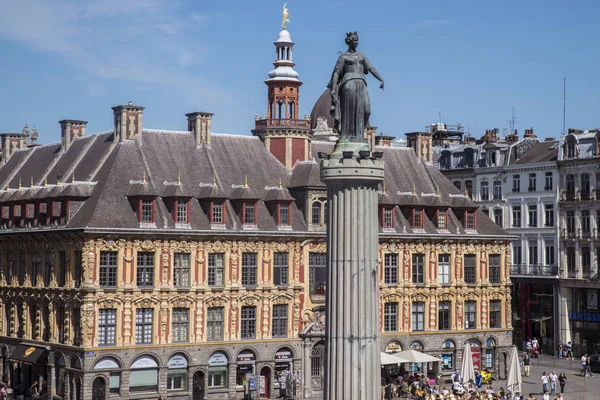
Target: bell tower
(284, 134)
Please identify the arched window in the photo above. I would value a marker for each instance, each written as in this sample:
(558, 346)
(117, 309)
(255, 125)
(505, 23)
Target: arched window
(448, 355)
(317, 365)
(475, 352)
(316, 213)
(246, 365)
(570, 147)
(109, 363)
(280, 109)
(218, 364)
(292, 110)
(177, 368)
(143, 377)
(489, 353)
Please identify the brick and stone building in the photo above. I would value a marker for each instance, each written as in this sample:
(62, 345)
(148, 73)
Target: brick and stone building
(139, 262)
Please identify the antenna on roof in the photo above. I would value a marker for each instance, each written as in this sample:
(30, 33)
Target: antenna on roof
(564, 132)
(513, 121)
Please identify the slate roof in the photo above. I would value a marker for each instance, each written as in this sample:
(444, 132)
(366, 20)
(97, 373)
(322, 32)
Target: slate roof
(543, 151)
(109, 176)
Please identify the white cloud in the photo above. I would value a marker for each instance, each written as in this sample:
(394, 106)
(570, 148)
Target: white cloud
(144, 41)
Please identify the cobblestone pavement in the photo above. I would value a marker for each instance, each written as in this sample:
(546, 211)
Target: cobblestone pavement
(577, 387)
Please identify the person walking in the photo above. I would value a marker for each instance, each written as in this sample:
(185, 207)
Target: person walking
(562, 379)
(553, 382)
(583, 362)
(560, 397)
(559, 351)
(588, 366)
(569, 350)
(527, 365)
(544, 382)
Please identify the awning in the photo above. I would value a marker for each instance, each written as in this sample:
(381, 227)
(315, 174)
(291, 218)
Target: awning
(28, 354)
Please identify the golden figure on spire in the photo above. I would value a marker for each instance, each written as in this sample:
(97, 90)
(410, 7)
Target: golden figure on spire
(286, 15)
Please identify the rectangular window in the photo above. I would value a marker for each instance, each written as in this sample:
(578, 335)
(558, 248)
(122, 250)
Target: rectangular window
(10, 266)
(494, 267)
(216, 269)
(516, 183)
(108, 268)
(418, 218)
(181, 270)
(469, 220)
(585, 222)
(586, 259)
(284, 214)
(280, 268)
(571, 223)
(533, 215)
(585, 186)
(418, 316)
(495, 319)
(182, 212)
(549, 215)
(485, 191)
(280, 320)
(214, 323)
(516, 216)
(143, 325)
(442, 219)
(418, 268)
(549, 252)
(35, 267)
(23, 269)
(497, 190)
(249, 214)
(180, 324)
(444, 269)
(498, 216)
(248, 322)
(532, 183)
(570, 187)
(316, 213)
(107, 327)
(444, 315)
(317, 273)
(217, 212)
(249, 269)
(388, 217)
(145, 269)
(147, 212)
(78, 268)
(549, 184)
(571, 261)
(390, 273)
(533, 253)
(470, 269)
(47, 268)
(517, 255)
(470, 314)
(390, 317)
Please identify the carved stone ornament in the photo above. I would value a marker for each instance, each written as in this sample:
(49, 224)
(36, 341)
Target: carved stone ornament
(217, 300)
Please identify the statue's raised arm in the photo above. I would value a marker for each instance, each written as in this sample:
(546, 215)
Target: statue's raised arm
(350, 103)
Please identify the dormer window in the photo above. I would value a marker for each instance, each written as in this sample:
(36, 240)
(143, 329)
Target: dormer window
(5, 214)
(469, 220)
(418, 218)
(216, 212)
(182, 212)
(571, 146)
(43, 214)
(17, 215)
(442, 219)
(387, 217)
(146, 214)
(283, 214)
(316, 212)
(249, 213)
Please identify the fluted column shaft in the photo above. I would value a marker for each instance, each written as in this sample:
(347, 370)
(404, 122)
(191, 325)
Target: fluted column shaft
(352, 370)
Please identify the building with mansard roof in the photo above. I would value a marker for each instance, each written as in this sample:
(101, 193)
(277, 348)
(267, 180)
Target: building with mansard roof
(139, 262)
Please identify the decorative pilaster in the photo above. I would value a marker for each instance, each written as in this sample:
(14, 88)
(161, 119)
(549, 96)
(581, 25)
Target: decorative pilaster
(353, 368)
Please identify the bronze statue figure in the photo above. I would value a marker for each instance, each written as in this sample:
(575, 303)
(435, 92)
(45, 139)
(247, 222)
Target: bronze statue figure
(350, 103)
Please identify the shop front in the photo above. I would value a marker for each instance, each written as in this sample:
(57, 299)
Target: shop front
(246, 366)
(284, 372)
(28, 364)
(218, 364)
(534, 314)
(585, 321)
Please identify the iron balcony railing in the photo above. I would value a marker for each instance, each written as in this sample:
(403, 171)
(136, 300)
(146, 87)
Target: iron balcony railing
(534, 270)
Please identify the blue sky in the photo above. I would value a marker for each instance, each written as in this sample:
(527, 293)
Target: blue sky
(471, 61)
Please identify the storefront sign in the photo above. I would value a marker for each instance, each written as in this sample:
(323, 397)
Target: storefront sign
(284, 355)
(253, 383)
(90, 354)
(580, 316)
(177, 361)
(246, 356)
(393, 347)
(218, 359)
(476, 355)
(144, 362)
(106, 363)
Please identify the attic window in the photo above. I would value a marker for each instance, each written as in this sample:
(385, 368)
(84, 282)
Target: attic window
(316, 212)
(249, 213)
(146, 210)
(442, 219)
(30, 213)
(181, 211)
(283, 214)
(5, 212)
(216, 212)
(387, 217)
(469, 220)
(418, 218)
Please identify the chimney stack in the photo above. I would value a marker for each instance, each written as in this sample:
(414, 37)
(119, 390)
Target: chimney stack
(10, 143)
(384, 140)
(199, 125)
(69, 130)
(128, 122)
(529, 133)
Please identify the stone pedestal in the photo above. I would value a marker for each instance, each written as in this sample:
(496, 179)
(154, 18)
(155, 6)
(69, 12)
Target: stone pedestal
(353, 365)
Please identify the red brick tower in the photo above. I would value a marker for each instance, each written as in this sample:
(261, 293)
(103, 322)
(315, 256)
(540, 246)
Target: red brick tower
(282, 131)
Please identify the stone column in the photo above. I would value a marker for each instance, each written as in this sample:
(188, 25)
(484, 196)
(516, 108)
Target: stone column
(352, 366)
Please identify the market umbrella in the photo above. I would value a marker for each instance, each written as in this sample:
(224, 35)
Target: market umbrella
(467, 372)
(390, 359)
(514, 373)
(415, 356)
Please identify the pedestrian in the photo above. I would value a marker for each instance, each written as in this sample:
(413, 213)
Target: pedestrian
(560, 397)
(478, 380)
(588, 366)
(560, 350)
(546, 396)
(553, 382)
(562, 379)
(583, 362)
(544, 382)
(528, 346)
(569, 350)
(3, 393)
(527, 365)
